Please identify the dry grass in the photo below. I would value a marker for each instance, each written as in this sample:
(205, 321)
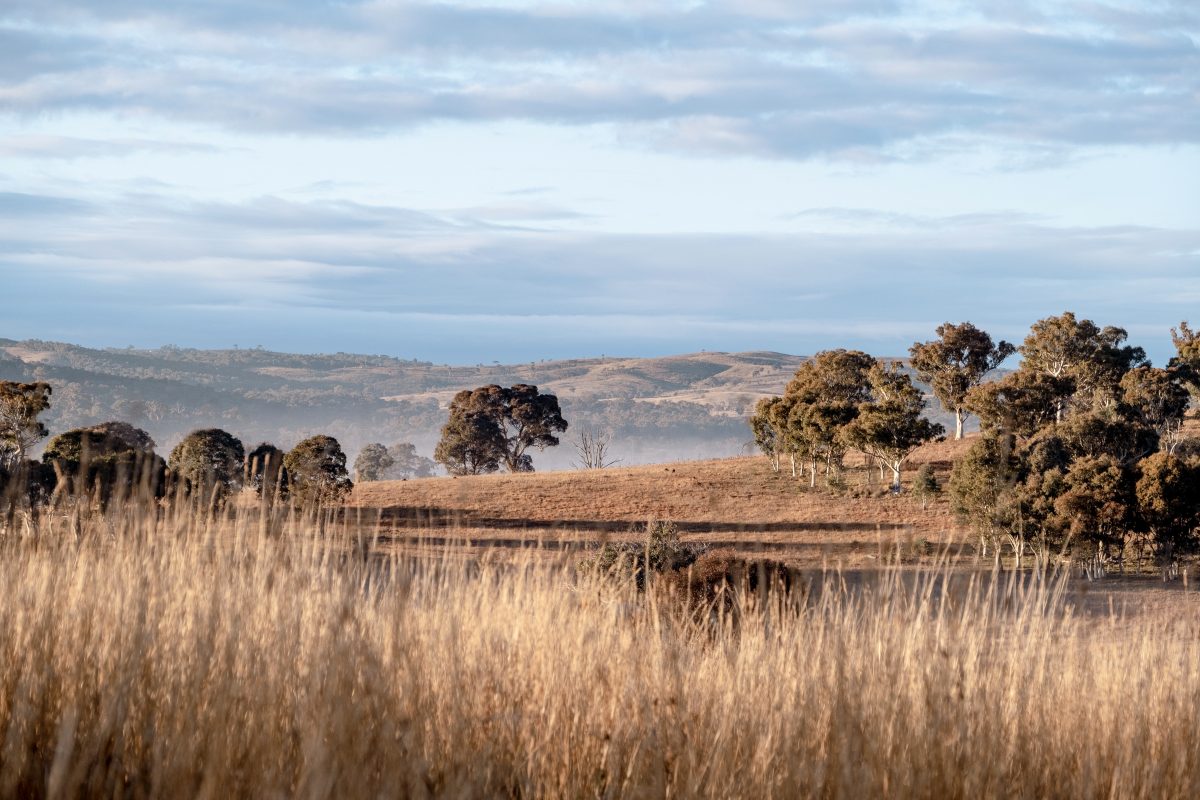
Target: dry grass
(151, 658)
(736, 502)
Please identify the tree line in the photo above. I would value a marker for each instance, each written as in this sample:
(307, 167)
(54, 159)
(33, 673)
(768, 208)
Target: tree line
(1082, 444)
(115, 460)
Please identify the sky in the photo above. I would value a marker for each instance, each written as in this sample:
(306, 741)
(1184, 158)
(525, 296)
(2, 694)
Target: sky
(471, 182)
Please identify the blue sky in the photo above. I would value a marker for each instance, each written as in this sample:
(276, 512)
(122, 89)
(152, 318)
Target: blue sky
(470, 182)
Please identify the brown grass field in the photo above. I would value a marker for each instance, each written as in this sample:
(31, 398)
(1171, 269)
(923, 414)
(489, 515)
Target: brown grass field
(734, 502)
(438, 640)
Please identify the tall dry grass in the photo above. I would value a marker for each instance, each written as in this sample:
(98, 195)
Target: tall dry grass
(150, 657)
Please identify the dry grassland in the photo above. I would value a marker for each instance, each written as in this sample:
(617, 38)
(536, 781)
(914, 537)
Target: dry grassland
(736, 502)
(182, 657)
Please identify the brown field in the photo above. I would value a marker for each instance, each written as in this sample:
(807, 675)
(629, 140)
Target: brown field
(736, 503)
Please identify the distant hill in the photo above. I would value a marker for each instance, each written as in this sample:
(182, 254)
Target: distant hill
(686, 406)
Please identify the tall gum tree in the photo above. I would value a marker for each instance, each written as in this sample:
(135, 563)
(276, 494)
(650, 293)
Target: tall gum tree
(956, 362)
(20, 406)
(892, 424)
(1089, 360)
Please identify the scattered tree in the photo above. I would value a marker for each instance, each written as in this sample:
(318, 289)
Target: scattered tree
(472, 442)
(316, 470)
(955, 363)
(408, 463)
(591, 447)
(265, 473)
(108, 458)
(1168, 499)
(1158, 399)
(208, 463)
(372, 463)
(890, 426)
(492, 425)
(1089, 360)
(925, 485)
(1187, 356)
(20, 406)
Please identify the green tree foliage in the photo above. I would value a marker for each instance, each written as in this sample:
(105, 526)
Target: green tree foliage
(1097, 504)
(1158, 399)
(472, 442)
(768, 434)
(492, 426)
(925, 485)
(1020, 403)
(265, 473)
(1088, 360)
(112, 457)
(1187, 356)
(980, 482)
(822, 399)
(20, 429)
(408, 463)
(890, 425)
(25, 485)
(372, 463)
(208, 463)
(1168, 499)
(956, 362)
(316, 468)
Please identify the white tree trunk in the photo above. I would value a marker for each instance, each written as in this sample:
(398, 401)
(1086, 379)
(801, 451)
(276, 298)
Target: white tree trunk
(959, 418)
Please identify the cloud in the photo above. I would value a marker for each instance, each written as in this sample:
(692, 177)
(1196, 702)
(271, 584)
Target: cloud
(857, 81)
(324, 275)
(72, 147)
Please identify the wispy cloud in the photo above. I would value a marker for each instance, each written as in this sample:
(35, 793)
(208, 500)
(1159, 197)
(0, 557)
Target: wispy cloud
(847, 80)
(297, 264)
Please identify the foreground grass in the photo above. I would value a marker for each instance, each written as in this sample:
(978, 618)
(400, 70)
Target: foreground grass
(149, 658)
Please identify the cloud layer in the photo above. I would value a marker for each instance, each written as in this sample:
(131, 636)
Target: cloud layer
(865, 79)
(460, 287)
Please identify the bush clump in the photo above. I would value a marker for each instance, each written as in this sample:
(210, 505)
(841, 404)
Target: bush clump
(718, 576)
(661, 551)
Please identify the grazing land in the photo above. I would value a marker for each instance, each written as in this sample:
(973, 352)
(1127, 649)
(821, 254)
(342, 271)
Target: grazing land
(739, 504)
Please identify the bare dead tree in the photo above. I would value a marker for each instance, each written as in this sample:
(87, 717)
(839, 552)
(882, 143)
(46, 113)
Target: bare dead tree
(591, 446)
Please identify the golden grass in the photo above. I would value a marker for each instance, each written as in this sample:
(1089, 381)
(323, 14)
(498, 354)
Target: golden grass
(735, 502)
(145, 657)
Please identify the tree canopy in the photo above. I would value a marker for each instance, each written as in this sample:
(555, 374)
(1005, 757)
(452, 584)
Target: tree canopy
(493, 426)
(20, 429)
(956, 362)
(316, 469)
(208, 462)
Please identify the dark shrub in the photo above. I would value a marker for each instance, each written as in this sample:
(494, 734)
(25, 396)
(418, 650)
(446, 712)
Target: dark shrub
(720, 575)
(661, 550)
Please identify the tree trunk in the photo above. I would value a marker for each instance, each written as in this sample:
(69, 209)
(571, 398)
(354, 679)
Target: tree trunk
(895, 467)
(812, 473)
(793, 456)
(959, 418)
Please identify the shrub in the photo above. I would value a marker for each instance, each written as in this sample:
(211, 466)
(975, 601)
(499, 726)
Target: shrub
(661, 549)
(925, 485)
(316, 469)
(265, 471)
(719, 575)
(208, 462)
(102, 461)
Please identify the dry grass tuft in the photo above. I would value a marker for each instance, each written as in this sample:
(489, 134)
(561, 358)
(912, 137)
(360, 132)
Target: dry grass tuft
(144, 657)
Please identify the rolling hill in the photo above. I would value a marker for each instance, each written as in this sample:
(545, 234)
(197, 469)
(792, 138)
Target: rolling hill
(685, 406)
